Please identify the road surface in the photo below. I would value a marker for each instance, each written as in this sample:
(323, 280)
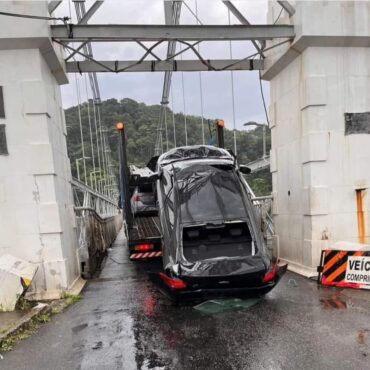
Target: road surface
(122, 322)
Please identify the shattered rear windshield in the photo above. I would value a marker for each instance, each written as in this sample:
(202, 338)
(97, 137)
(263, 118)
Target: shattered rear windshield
(194, 152)
(209, 193)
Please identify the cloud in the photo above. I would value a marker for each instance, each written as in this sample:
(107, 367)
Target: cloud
(147, 87)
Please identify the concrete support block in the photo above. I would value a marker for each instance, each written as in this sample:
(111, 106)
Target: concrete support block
(315, 174)
(312, 252)
(315, 147)
(315, 201)
(45, 191)
(272, 114)
(275, 207)
(27, 220)
(56, 275)
(41, 159)
(49, 215)
(316, 166)
(313, 91)
(273, 161)
(314, 119)
(316, 227)
(2, 193)
(344, 226)
(30, 247)
(34, 98)
(51, 247)
(35, 195)
(307, 253)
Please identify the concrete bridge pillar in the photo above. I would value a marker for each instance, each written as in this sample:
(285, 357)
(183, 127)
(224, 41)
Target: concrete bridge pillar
(37, 221)
(320, 125)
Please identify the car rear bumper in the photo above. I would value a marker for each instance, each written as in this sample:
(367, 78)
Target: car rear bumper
(186, 295)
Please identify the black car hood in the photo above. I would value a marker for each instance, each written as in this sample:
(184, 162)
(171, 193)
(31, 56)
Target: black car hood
(223, 266)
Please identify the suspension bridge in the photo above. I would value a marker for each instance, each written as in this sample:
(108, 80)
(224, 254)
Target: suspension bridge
(317, 116)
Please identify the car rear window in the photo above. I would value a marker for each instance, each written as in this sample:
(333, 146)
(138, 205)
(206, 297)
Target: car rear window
(207, 193)
(147, 188)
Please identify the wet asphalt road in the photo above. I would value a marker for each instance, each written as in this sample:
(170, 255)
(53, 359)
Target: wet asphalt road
(122, 322)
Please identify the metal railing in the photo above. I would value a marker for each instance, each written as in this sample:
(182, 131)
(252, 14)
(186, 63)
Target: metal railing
(263, 206)
(87, 197)
(98, 222)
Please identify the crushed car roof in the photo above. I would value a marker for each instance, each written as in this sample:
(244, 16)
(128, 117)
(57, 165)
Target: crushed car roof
(194, 152)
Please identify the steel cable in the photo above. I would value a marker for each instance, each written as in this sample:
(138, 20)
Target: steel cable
(39, 17)
(81, 131)
(173, 120)
(232, 90)
(200, 79)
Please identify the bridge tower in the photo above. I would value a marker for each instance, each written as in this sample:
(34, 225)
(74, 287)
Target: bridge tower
(320, 127)
(36, 204)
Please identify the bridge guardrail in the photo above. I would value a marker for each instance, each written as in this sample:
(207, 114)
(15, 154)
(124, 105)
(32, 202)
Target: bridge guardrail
(95, 235)
(98, 223)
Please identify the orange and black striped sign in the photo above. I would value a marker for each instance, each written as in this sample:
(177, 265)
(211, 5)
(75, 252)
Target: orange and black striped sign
(334, 266)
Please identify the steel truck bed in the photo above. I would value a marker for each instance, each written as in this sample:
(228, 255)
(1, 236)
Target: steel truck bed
(144, 238)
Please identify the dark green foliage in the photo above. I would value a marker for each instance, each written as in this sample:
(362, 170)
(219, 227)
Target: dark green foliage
(141, 124)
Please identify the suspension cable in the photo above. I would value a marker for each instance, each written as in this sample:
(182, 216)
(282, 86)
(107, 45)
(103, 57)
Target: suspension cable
(263, 99)
(81, 131)
(30, 16)
(107, 160)
(200, 78)
(232, 89)
(184, 103)
(161, 133)
(165, 126)
(104, 153)
(91, 137)
(192, 12)
(97, 144)
(173, 120)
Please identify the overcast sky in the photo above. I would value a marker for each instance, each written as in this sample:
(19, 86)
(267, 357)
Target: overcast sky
(147, 87)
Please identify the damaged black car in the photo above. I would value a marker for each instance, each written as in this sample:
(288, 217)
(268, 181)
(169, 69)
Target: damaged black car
(212, 240)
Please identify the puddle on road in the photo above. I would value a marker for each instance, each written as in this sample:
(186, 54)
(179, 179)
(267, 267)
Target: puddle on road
(330, 299)
(333, 303)
(78, 328)
(216, 306)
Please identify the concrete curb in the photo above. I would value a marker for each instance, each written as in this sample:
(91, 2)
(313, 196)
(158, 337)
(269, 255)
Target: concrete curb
(42, 308)
(26, 319)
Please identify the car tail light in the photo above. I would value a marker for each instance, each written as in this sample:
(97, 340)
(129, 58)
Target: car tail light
(143, 247)
(172, 283)
(270, 274)
(136, 198)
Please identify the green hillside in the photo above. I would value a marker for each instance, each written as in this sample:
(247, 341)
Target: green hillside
(141, 124)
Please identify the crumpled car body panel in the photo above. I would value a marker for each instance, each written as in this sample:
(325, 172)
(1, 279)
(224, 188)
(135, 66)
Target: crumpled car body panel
(211, 234)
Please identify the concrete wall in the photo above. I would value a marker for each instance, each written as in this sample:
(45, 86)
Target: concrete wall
(37, 221)
(317, 168)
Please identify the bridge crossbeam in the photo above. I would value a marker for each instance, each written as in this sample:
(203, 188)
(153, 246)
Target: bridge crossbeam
(113, 32)
(163, 66)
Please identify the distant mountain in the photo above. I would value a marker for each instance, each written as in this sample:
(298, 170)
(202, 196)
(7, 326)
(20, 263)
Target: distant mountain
(141, 126)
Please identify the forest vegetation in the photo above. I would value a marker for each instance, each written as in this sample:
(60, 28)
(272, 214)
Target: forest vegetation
(141, 123)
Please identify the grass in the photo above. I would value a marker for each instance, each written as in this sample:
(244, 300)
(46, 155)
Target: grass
(23, 303)
(70, 299)
(8, 343)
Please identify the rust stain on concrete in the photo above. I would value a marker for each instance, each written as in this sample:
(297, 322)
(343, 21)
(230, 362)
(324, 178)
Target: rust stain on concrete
(360, 216)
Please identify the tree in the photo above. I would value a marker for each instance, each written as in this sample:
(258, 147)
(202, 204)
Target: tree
(141, 122)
